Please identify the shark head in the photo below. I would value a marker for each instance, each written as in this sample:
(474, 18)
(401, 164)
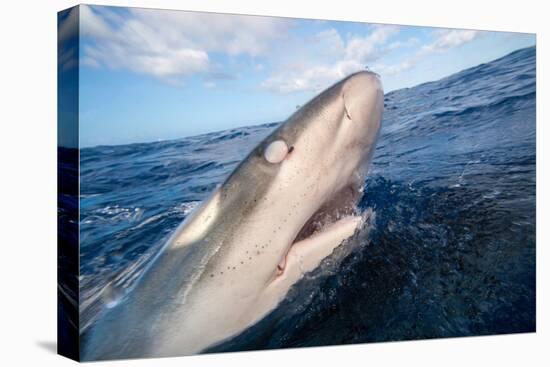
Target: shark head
(286, 206)
(284, 209)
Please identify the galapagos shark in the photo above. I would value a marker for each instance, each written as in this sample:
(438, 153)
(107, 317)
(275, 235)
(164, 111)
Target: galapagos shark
(283, 210)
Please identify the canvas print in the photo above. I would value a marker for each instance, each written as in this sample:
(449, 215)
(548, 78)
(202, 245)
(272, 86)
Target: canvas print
(239, 182)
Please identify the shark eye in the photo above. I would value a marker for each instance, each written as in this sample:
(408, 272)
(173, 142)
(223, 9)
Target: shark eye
(276, 151)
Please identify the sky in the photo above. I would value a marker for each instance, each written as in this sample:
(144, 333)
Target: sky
(149, 74)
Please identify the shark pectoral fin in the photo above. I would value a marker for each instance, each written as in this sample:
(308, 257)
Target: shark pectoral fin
(306, 255)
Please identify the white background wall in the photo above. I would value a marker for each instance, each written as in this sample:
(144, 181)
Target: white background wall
(28, 182)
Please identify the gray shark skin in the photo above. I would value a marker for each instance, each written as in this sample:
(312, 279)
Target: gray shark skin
(234, 259)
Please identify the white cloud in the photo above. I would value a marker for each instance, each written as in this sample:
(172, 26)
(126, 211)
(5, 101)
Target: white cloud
(310, 78)
(366, 49)
(92, 24)
(172, 44)
(330, 40)
(445, 39)
(396, 68)
(449, 38)
(209, 84)
(351, 56)
(413, 41)
(66, 41)
(359, 53)
(69, 25)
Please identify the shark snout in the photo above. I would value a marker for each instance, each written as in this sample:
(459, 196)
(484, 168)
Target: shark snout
(362, 93)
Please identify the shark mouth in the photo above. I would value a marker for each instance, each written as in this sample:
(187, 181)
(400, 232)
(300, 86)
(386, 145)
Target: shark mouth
(338, 211)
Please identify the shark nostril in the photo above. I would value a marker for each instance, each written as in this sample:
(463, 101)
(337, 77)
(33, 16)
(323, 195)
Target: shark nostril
(347, 114)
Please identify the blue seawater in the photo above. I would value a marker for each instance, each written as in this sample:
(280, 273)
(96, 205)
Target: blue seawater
(452, 248)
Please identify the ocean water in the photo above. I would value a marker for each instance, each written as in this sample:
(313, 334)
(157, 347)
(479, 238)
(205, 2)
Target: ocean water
(451, 249)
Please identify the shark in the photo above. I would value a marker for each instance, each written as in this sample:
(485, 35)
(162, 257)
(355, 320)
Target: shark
(284, 209)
